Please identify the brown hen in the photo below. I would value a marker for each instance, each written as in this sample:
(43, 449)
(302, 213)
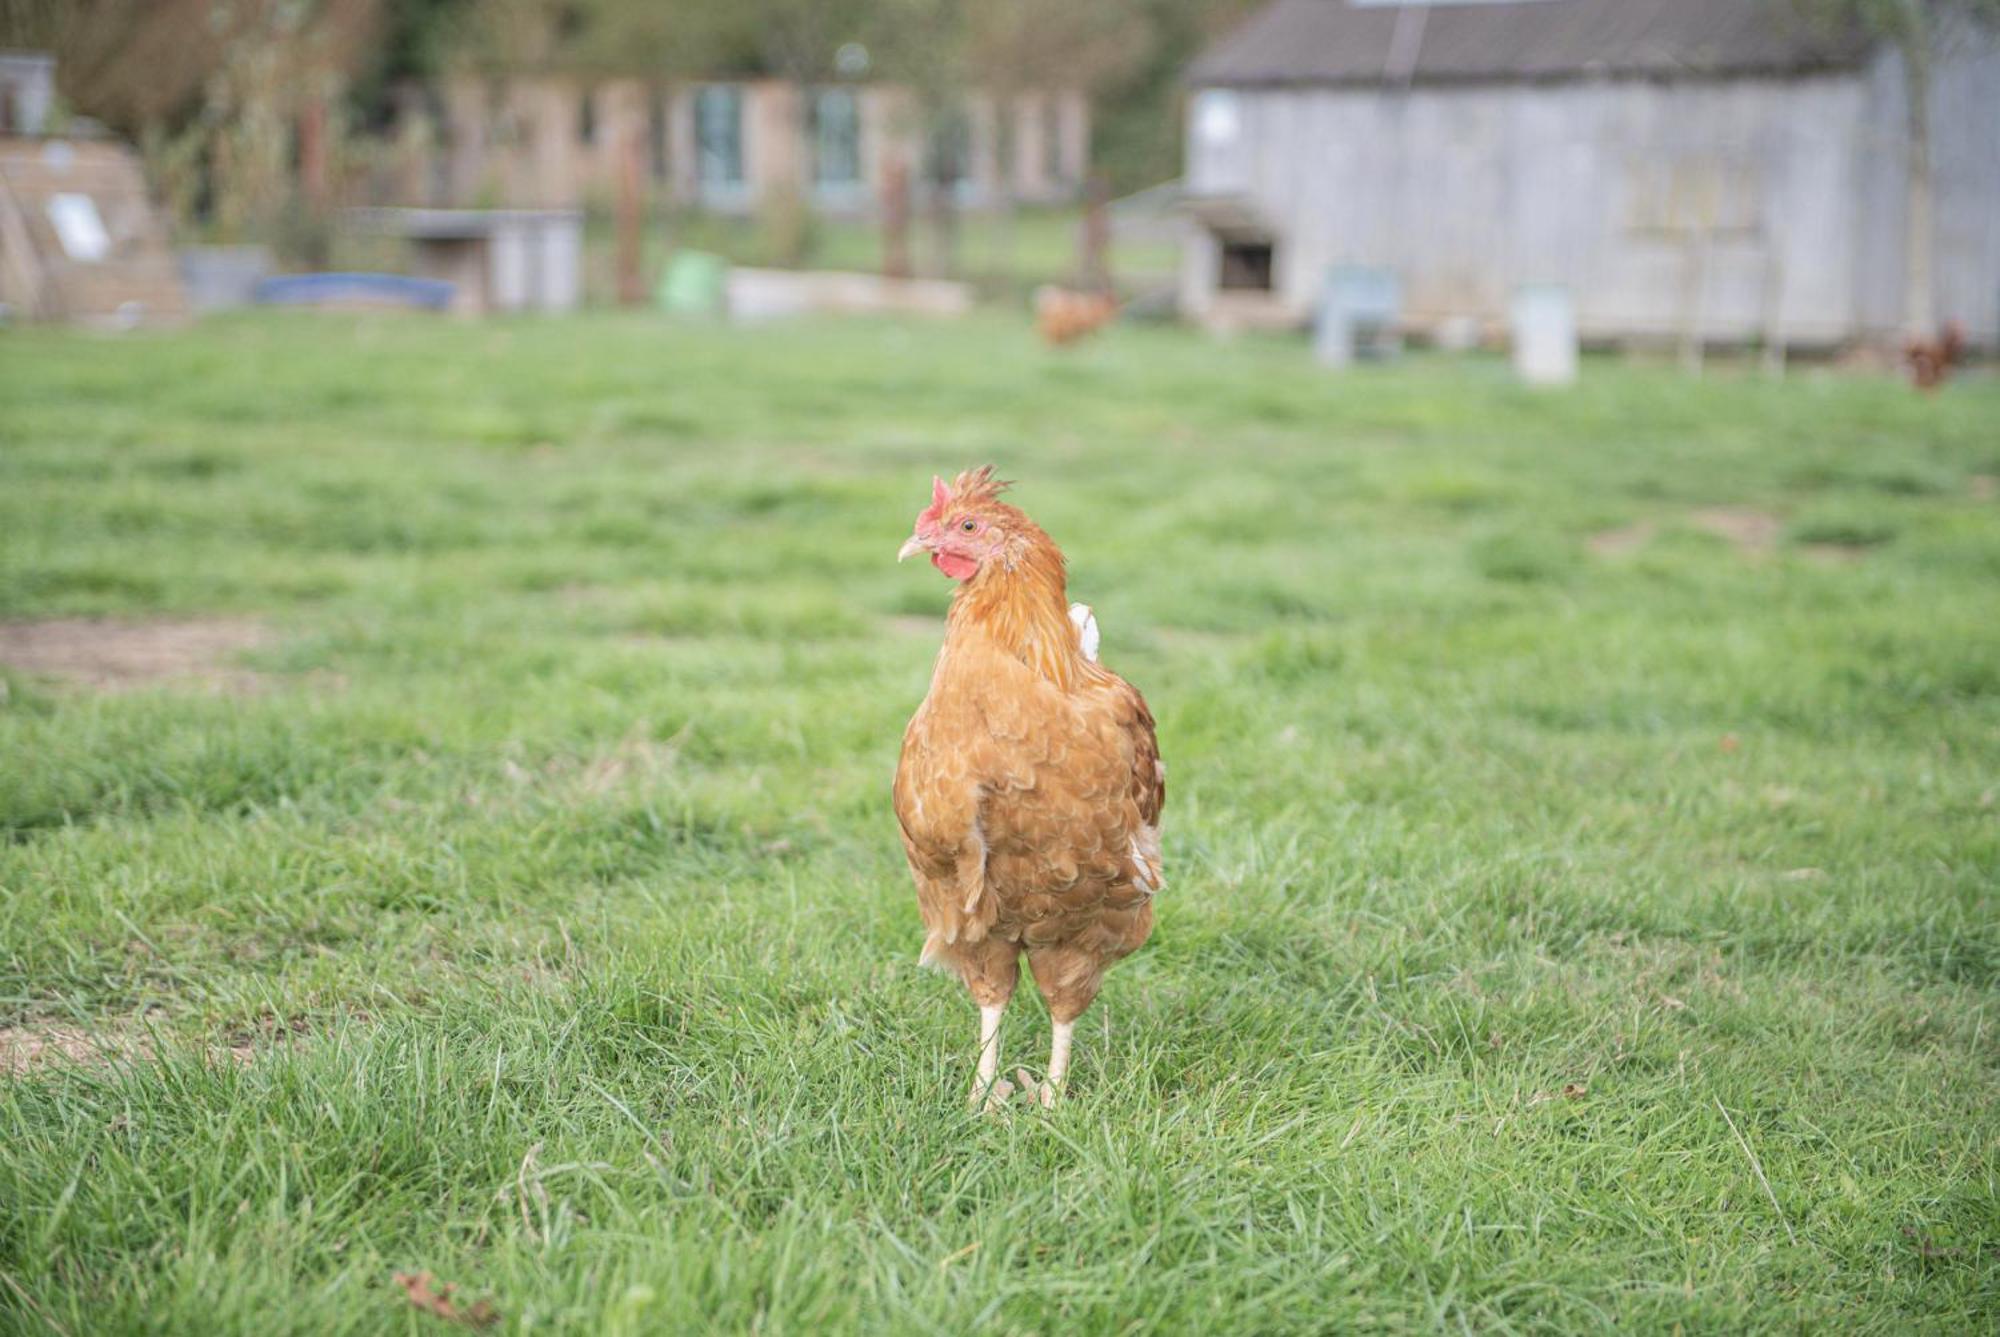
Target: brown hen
(1030, 784)
(1063, 315)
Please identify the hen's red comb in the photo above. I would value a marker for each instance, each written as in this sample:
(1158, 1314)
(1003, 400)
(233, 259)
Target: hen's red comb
(940, 498)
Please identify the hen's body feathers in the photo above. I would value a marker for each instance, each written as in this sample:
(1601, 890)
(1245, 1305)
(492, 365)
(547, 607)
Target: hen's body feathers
(1029, 792)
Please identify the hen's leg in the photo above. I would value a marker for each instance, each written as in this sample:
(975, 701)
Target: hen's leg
(990, 969)
(1046, 1091)
(989, 1089)
(1068, 979)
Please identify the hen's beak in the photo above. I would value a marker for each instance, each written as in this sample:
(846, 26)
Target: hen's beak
(910, 548)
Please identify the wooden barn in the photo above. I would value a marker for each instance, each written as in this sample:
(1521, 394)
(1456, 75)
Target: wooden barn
(1723, 170)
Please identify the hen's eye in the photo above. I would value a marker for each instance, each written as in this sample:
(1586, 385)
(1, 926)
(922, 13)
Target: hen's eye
(968, 525)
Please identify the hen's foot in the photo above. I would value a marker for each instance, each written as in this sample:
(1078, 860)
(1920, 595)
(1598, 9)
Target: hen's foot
(990, 1099)
(1043, 1093)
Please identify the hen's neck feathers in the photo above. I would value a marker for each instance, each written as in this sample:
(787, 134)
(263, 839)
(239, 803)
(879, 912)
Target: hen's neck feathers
(1020, 602)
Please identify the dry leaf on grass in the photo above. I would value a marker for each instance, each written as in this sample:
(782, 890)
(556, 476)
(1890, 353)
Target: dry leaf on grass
(435, 1298)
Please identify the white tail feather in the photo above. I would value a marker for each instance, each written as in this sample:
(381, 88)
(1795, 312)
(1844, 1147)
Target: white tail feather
(1086, 629)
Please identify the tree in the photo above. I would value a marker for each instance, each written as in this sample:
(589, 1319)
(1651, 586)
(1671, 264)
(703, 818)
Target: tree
(1044, 45)
(646, 42)
(1139, 116)
(127, 63)
(1923, 32)
(220, 94)
(647, 39)
(137, 65)
(797, 40)
(921, 45)
(941, 48)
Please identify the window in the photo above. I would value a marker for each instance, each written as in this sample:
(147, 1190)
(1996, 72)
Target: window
(1217, 118)
(718, 133)
(1246, 266)
(949, 152)
(836, 139)
(656, 135)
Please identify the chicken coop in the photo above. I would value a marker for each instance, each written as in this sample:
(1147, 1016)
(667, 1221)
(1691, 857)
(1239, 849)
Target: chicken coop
(1724, 171)
(497, 260)
(80, 239)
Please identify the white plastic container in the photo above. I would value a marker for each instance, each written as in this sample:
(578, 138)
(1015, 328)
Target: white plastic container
(1542, 318)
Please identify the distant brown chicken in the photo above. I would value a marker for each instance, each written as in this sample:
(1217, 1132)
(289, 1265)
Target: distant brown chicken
(1064, 316)
(1932, 359)
(1030, 784)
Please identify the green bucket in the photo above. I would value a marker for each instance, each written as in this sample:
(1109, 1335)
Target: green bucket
(693, 284)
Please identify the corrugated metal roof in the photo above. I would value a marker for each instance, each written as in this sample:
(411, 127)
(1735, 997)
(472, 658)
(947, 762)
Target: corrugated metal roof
(1384, 42)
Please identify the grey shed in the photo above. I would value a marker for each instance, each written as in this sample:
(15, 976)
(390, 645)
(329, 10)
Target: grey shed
(1726, 170)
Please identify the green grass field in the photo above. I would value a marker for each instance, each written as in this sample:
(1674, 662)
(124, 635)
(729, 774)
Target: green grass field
(1037, 245)
(1582, 841)
(1004, 259)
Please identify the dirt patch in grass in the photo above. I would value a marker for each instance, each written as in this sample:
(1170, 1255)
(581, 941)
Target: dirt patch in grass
(36, 1044)
(244, 1045)
(110, 655)
(25, 1048)
(637, 757)
(1750, 531)
(1622, 540)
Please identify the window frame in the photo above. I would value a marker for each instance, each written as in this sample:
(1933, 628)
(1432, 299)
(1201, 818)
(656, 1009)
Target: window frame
(846, 187)
(731, 154)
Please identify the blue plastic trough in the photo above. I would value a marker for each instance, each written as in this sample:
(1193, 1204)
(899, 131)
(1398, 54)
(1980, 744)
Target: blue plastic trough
(356, 290)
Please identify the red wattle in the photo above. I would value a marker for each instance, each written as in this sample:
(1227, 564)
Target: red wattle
(953, 565)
